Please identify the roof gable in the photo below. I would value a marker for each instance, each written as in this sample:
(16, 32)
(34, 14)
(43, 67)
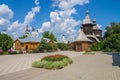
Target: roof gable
(82, 37)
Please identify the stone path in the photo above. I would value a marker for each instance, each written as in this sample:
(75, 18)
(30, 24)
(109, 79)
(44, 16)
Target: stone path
(84, 67)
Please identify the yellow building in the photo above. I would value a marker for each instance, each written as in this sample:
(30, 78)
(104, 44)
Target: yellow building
(29, 43)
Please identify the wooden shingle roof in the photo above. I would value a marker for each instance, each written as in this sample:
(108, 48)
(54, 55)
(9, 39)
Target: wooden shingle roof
(82, 37)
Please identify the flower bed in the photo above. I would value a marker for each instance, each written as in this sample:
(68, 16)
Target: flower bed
(56, 61)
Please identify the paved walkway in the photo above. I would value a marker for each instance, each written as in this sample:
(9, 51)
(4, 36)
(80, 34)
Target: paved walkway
(13, 63)
(84, 67)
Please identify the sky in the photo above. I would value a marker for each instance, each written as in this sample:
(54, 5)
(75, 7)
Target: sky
(57, 16)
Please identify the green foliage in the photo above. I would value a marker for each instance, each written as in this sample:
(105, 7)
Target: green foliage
(22, 37)
(52, 37)
(48, 62)
(46, 34)
(97, 46)
(56, 57)
(114, 28)
(43, 41)
(35, 51)
(111, 40)
(62, 46)
(13, 52)
(112, 43)
(6, 42)
(89, 53)
(49, 35)
(45, 46)
(1, 52)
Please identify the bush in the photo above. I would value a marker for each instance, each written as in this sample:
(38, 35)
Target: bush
(14, 52)
(53, 62)
(56, 57)
(19, 52)
(35, 51)
(48, 47)
(97, 46)
(62, 46)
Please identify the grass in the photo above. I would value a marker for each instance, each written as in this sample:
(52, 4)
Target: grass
(89, 53)
(52, 62)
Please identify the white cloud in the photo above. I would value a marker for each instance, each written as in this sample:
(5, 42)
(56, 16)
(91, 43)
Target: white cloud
(68, 4)
(5, 12)
(3, 21)
(17, 28)
(5, 15)
(99, 26)
(54, 17)
(62, 21)
(14, 25)
(67, 13)
(31, 14)
(45, 27)
(37, 2)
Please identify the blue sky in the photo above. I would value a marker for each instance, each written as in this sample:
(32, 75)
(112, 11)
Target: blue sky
(58, 16)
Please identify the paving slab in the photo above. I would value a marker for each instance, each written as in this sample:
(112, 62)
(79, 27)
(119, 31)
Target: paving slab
(13, 63)
(84, 67)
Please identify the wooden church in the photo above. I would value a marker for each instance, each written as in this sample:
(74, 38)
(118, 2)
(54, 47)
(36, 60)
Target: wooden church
(90, 33)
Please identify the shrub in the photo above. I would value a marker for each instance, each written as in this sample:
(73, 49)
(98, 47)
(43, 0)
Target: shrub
(97, 46)
(12, 52)
(19, 52)
(56, 57)
(35, 51)
(62, 46)
(56, 61)
(48, 47)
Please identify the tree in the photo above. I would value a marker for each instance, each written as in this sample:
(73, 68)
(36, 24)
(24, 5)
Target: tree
(112, 43)
(49, 35)
(6, 42)
(22, 37)
(97, 46)
(45, 46)
(111, 40)
(46, 34)
(62, 46)
(114, 28)
(112, 37)
(52, 36)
